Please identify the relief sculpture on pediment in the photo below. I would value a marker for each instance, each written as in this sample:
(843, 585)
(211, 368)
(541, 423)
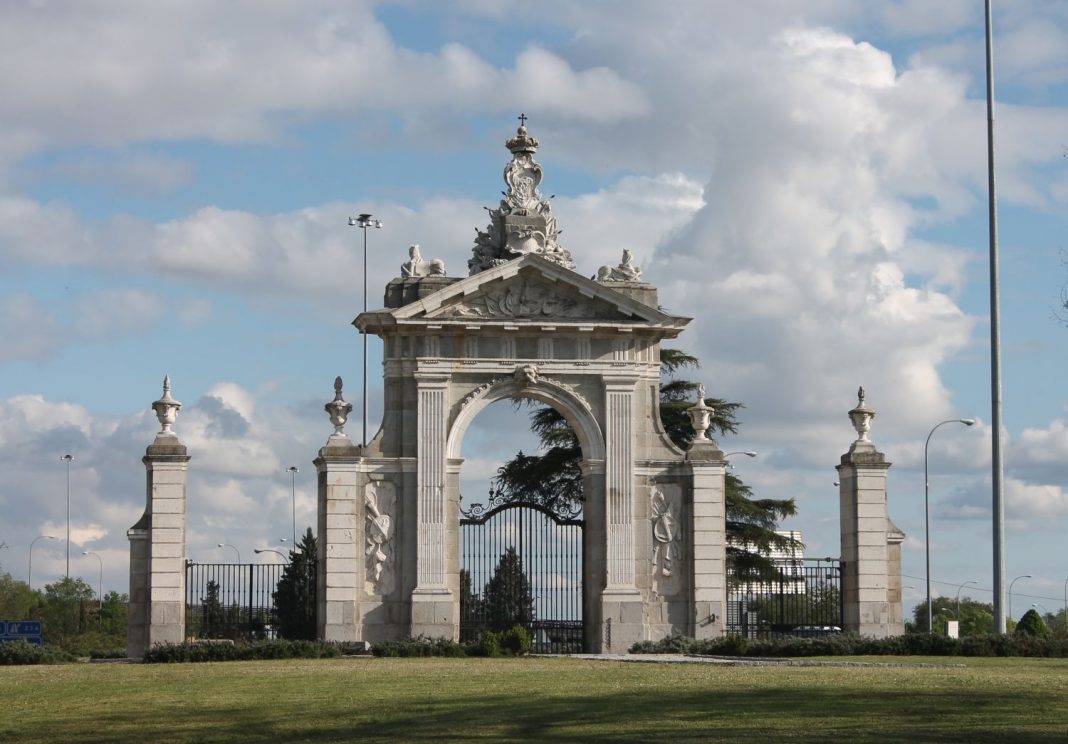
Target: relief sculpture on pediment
(522, 299)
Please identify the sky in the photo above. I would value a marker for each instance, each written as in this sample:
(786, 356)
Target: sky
(806, 180)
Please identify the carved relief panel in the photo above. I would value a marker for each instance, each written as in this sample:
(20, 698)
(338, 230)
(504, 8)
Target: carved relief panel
(665, 522)
(380, 501)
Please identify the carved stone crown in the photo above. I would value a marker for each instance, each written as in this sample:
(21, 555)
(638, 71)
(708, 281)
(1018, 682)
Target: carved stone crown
(522, 142)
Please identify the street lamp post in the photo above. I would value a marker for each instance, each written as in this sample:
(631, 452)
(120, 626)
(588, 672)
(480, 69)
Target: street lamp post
(29, 574)
(363, 222)
(293, 470)
(258, 551)
(68, 458)
(1025, 576)
(100, 580)
(927, 511)
(749, 453)
(958, 594)
(228, 545)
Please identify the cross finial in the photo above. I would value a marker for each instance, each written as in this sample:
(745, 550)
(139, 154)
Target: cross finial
(522, 119)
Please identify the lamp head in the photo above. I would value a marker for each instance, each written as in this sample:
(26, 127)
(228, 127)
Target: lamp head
(968, 421)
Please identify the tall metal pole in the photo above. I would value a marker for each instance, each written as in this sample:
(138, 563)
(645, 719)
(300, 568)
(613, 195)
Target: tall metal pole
(68, 459)
(927, 512)
(363, 222)
(293, 470)
(997, 466)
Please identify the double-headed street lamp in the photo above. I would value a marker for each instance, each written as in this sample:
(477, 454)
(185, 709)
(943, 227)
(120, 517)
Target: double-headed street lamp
(927, 512)
(100, 582)
(363, 222)
(29, 574)
(68, 458)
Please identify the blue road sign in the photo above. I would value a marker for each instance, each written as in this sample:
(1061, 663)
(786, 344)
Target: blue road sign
(20, 630)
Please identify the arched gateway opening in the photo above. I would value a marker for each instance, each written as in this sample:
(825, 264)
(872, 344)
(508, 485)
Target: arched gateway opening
(522, 555)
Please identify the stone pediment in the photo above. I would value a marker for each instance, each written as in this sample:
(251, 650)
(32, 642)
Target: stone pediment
(531, 288)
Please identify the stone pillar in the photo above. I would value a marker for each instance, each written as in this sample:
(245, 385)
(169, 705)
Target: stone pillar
(864, 521)
(340, 528)
(157, 541)
(709, 529)
(434, 612)
(622, 609)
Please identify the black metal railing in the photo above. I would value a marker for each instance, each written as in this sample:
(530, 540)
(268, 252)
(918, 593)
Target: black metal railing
(803, 597)
(232, 600)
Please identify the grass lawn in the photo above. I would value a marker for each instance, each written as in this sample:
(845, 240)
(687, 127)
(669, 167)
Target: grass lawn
(535, 699)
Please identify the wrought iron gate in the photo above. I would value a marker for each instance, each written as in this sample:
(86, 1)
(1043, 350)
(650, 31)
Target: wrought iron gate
(522, 564)
(804, 598)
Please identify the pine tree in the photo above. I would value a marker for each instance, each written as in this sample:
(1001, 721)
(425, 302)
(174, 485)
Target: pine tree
(294, 597)
(507, 597)
(554, 478)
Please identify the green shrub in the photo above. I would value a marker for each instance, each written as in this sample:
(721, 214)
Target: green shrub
(21, 652)
(1032, 624)
(517, 641)
(914, 644)
(488, 644)
(421, 646)
(107, 653)
(199, 651)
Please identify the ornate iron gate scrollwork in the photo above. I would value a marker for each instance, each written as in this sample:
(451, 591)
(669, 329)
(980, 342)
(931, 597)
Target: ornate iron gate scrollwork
(522, 564)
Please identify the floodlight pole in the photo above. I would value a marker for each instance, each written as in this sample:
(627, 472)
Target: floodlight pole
(68, 459)
(997, 466)
(363, 222)
(293, 470)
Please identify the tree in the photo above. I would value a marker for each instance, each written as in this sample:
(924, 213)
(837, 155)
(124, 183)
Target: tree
(1031, 624)
(507, 596)
(295, 595)
(17, 599)
(554, 478)
(976, 618)
(211, 612)
(65, 611)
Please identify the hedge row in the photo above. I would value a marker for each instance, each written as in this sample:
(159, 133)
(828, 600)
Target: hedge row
(21, 652)
(514, 642)
(917, 644)
(196, 651)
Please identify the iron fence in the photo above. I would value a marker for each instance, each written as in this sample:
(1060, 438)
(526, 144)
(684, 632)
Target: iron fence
(231, 600)
(803, 597)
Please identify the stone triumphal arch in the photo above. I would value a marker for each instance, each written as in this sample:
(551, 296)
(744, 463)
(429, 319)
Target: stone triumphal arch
(523, 324)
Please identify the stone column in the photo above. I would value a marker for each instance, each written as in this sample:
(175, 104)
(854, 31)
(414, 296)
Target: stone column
(433, 609)
(864, 521)
(340, 528)
(709, 528)
(622, 609)
(157, 541)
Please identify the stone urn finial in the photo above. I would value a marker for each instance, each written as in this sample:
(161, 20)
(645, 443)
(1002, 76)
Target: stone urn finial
(338, 410)
(700, 414)
(861, 417)
(166, 407)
